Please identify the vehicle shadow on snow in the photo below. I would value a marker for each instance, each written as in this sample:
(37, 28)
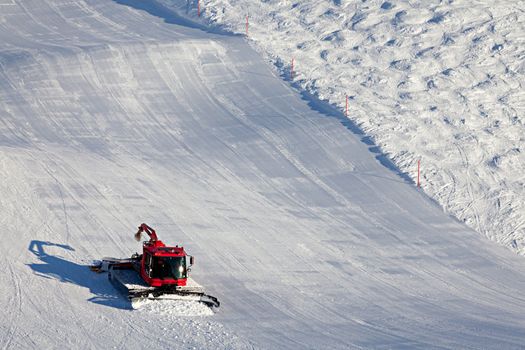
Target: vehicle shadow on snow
(56, 267)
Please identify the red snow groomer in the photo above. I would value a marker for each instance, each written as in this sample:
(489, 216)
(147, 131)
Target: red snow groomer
(160, 272)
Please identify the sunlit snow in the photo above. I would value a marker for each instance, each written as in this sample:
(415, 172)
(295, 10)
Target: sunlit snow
(114, 113)
(438, 81)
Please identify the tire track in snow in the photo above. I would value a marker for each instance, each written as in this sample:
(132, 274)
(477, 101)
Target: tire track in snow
(58, 179)
(14, 308)
(61, 193)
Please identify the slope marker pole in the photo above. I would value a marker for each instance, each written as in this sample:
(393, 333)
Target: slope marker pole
(291, 70)
(346, 109)
(247, 25)
(198, 8)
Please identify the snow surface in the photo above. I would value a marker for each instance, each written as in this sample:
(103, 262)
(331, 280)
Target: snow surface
(438, 81)
(171, 308)
(114, 113)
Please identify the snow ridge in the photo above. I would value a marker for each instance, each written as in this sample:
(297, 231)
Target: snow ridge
(437, 81)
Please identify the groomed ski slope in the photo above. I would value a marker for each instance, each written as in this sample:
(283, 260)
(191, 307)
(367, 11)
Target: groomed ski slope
(437, 81)
(111, 116)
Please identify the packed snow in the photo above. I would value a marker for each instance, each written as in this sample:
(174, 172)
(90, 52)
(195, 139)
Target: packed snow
(442, 82)
(172, 308)
(114, 113)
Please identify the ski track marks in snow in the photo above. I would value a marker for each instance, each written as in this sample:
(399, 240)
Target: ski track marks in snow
(14, 308)
(425, 79)
(111, 115)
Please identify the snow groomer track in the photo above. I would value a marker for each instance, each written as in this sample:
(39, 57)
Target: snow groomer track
(112, 114)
